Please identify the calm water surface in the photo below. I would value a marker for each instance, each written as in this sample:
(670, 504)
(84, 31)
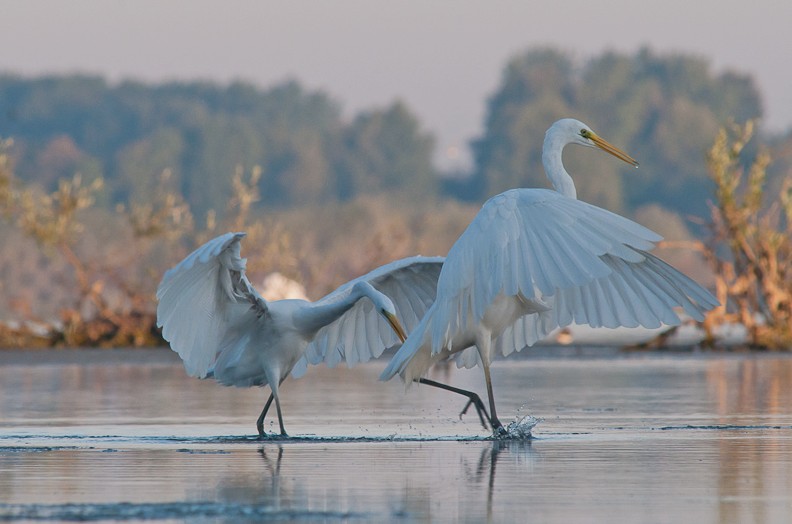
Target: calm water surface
(126, 436)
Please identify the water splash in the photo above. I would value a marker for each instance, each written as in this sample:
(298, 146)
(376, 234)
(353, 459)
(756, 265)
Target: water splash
(520, 428)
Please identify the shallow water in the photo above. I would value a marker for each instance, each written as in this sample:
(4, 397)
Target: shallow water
(126, 436)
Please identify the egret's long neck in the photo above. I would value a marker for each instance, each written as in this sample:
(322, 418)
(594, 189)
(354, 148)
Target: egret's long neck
(313, 318)
(554, 167)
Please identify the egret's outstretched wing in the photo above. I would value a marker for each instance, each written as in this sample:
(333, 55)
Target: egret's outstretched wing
(533, 242)
(361, 333)
(633, 294)
(200, 297)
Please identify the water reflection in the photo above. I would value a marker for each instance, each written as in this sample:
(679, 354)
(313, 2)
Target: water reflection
(750, 387)
(518, 452)
(633, 439)
(756, 392)
(754, 479)
(412, 481)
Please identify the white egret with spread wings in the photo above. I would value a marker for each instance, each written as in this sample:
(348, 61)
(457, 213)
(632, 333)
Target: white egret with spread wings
(533, 260)
(222, 328)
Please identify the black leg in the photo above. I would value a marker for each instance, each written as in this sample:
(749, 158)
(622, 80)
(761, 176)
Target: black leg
(473, 399)
(497, 427)
(260, 421)
(280, 417)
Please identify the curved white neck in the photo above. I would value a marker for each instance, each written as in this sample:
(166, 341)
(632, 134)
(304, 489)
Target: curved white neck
(552, 150)
(319, 314)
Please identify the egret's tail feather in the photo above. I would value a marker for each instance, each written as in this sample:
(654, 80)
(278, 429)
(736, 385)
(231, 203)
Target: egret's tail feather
(397, 363)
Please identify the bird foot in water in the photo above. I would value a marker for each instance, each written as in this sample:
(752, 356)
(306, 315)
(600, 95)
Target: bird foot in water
(519, 429)
(265, 436)
(272, 436)
(500, 432)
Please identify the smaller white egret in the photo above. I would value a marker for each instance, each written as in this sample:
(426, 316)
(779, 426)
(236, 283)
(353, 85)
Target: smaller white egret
(536, 259)
(222, 328)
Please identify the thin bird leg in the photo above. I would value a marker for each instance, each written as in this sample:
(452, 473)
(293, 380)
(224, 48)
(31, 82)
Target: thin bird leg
(473, 399)
(280, 416)
(273, 396)
(497, 427)
(260, 421)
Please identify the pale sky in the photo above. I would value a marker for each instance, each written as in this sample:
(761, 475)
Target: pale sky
(442, 57)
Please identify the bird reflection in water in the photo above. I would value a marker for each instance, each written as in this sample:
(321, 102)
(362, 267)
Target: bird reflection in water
(274, 469)
(518, 451)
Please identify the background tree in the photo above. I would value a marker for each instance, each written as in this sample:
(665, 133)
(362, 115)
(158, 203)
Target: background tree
(535, 87)
(201, 133)
(385, 150)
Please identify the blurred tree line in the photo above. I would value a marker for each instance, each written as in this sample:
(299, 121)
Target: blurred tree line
(103, 186)
(201, 133)
(665, 110)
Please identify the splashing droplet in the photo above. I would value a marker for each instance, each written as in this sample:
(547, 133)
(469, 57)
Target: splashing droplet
(521, 428)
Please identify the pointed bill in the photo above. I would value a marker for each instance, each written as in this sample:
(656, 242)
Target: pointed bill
(396, 325)
(613, 150)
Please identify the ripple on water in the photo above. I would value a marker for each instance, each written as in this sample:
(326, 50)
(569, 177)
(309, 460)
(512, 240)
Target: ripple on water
(31, 442)
(162, 511)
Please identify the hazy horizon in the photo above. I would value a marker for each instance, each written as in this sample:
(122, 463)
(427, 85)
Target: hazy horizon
(443, 58)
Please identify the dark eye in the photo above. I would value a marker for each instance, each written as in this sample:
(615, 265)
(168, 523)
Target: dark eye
(584, 133)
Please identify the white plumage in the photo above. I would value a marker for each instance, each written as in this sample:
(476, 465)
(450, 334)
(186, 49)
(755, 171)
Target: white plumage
(533, 260)
(222, 328)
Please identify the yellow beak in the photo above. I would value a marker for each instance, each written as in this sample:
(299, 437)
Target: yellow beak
(613, 150)
(396, 325)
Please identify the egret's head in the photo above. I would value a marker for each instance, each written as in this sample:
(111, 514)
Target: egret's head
(388, 310)
(384, 306)
(576, 132)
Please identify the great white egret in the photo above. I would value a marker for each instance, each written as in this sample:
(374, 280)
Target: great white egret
(536, 259)
(222, 328)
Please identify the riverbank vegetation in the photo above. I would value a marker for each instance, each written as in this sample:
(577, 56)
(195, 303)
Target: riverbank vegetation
(749, 245)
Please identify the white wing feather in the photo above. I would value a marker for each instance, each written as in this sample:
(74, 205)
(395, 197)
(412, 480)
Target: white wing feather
(634, 294)
(197, 298)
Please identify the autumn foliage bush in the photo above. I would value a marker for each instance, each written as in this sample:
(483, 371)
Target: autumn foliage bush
(105, 266)
(750, 243)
